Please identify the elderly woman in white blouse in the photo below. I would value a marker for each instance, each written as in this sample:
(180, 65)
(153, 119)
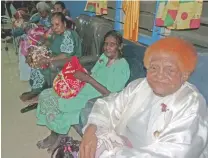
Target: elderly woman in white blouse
(160, 116)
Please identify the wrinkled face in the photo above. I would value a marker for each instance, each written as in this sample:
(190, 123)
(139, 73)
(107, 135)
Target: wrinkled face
(164, 75)
(43, 14)
(57, 8)
(111, 47)
(57, 25)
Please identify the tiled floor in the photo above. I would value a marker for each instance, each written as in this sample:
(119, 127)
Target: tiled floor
(19, 131)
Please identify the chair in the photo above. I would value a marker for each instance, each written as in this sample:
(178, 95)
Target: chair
(8, 21)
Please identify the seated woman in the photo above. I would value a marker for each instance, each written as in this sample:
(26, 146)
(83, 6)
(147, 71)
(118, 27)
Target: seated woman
(43, 18)
(60, 7)
(160, 116)
(110, 74)
(21, 16)
(44, 11)
(63, 44)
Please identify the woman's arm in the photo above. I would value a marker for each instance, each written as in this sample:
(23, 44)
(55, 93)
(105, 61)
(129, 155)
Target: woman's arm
(105, 115)
(58, 57)
(50, 60)
(87, 78)
(107, 111)
(100, 88)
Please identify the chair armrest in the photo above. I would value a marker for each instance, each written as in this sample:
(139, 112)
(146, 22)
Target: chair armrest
(58, 65)
(85, 61)
(88, 59)
(84, 114)
(88, 62)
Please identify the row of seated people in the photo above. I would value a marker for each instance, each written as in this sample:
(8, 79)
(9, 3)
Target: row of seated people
(170, 112)
(109, 74)
(60, 39)
(156, 112)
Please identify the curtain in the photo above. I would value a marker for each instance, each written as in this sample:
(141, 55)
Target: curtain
(131, 20)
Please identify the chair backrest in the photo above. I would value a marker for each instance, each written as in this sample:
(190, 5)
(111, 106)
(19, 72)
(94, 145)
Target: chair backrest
(200, 76)
(82, 23)
(134, 55)
(99, 27)
(91, 31)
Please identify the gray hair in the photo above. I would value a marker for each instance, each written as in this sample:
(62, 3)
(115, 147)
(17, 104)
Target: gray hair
(42, 6)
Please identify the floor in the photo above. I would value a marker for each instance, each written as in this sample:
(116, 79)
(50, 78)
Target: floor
(19, 131)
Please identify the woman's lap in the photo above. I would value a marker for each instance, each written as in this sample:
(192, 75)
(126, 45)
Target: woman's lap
(39, 79)
(60, 123)
(51, 115)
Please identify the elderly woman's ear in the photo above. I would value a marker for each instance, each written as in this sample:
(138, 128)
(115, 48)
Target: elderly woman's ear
(121, 46)
(65, 11)
(185, 76)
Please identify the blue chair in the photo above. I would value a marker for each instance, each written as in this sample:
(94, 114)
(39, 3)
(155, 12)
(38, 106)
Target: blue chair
(200, 76)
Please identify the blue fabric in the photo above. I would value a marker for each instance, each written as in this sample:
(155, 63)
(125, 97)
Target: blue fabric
(83, 117)
(35, 19)
(17, 32)
(24, 68)
(45, 22)
(134, 55)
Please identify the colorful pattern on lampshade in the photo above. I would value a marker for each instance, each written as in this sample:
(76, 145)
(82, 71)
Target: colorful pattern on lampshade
(97, 7)
(178, 15)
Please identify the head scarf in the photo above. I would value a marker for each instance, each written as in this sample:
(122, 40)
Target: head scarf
(184, 51)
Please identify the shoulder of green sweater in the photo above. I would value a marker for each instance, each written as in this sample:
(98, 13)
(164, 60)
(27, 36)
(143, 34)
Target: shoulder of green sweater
(123, 60)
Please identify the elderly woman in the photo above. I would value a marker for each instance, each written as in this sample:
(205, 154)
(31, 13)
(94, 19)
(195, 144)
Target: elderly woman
(59, 7)
(109, 74)
(160, 116)
(43, 18)
(64, 43)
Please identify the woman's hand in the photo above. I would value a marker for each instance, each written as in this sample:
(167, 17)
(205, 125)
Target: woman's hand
(89, 143)
(28, 60)
(82, 76)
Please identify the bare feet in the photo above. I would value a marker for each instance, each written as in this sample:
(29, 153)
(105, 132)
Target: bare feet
(48, 141)
(32, 101)
(58, 140)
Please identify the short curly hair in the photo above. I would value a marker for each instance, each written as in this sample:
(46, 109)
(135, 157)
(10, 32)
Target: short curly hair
(184, 51)
(118, 37)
